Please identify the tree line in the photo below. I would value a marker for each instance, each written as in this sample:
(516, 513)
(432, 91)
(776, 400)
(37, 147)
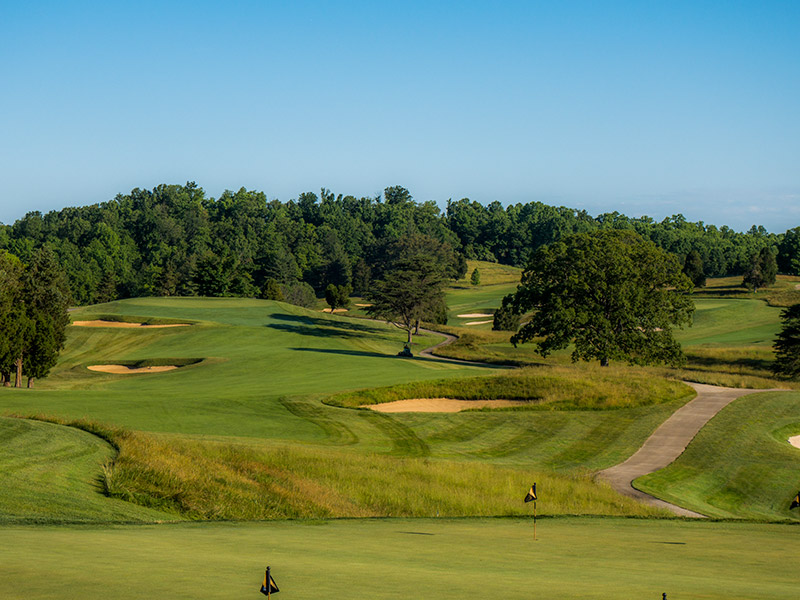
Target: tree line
(174, 240)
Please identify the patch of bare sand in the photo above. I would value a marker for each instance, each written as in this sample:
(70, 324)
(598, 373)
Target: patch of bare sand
(101, 323)
(795, 441)
(123, 370)
(478, 322)
(363, 305)
(336, 310)
(448, 405)
(474, 315)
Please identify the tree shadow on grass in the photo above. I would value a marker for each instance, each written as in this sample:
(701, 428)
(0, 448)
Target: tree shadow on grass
(372, 355)
(328, 323)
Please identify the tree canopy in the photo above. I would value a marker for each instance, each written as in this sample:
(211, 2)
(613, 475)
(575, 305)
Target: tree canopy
(609, 293)
(410, 288)
(175, 240)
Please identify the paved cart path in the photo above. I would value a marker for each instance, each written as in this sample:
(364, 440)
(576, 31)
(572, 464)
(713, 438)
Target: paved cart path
(669, 441)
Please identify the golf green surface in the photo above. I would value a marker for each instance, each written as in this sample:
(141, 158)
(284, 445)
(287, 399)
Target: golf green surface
(405, 558)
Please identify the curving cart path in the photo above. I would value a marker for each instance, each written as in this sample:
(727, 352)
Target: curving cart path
(669, 441)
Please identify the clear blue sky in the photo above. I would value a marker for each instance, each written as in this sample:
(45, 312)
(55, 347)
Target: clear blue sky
(642, 107)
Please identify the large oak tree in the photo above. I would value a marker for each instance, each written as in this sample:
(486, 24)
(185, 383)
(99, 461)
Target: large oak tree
(610, 293)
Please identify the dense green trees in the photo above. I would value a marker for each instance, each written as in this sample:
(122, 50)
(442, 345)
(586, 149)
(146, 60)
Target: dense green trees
(33, 316)
(174, 240)
(787, 345)
(610, 293)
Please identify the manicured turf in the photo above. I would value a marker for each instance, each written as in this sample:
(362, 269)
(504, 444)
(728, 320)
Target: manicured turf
(740, 464)
(255, 352)
(405, 558)
(728, 322)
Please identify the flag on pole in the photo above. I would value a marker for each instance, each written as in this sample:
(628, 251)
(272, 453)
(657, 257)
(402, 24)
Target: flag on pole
(795, 502)
(531, 494)
(268, 587)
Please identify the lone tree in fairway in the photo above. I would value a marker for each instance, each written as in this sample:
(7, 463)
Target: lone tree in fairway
(787, 344)
(610, 293)
(410, 289)
(763, 270)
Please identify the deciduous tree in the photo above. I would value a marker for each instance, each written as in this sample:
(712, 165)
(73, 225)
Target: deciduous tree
(609, 293)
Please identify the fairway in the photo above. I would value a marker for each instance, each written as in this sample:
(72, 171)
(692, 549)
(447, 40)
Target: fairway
(402, 558)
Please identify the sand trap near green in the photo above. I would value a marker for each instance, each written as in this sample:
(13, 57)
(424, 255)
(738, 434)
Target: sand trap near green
(441, 405)
(387, 559)
(123, 370)
(124, 325)
(795, 441)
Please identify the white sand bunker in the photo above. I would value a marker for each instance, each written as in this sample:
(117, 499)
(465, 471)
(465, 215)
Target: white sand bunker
(123, 370)
(795, 441)
(448, 405)
(336, 310)
(101, 323)
(478, 322)
(474, 315)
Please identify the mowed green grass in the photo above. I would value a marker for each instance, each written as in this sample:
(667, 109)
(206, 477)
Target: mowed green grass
(254, 352)
(401, 558)
(740, 464)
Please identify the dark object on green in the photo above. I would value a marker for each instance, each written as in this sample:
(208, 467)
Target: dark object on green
(795, 502)
(787, 344)
(269, 586)
(405, 352)
(531, 494)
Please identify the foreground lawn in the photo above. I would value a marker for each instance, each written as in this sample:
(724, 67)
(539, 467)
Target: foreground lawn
(401, 558)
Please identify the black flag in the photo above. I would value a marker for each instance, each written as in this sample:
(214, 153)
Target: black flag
(795, 502)
(268, 587)
(531, 494)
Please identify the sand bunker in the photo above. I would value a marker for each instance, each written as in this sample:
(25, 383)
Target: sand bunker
(123, 370)
(336, 310)
(448, 405)
(474, 315)
(795, 441)
(478, 322)
(363, 305)
(101, 323)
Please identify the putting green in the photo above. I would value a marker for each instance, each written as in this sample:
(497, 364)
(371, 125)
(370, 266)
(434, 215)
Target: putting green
(405, 558)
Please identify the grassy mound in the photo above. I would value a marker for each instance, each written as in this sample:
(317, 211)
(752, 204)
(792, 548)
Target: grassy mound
(53, 473)
(546, 389)
(252, 481)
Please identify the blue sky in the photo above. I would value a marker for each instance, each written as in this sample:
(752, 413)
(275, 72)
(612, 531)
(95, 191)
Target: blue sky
(642, 107)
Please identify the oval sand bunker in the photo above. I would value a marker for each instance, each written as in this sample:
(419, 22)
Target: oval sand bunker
(795, 441)
(123, 370)
(448, 405)
(101, 323)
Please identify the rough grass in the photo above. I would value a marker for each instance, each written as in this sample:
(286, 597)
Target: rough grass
(549, 389)
(740, 464)
(211, 480)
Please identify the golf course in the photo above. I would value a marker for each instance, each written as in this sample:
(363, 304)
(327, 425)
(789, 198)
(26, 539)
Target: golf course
(182, 444)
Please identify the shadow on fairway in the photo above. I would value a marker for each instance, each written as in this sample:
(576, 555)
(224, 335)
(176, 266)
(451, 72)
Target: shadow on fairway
(328, 323)
(371, 354)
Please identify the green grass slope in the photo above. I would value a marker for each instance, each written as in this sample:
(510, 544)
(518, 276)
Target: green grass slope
(47, 470)
(740, 464)
(401, 558)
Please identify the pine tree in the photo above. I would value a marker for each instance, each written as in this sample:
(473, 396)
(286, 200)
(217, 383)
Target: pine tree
(787, 344)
